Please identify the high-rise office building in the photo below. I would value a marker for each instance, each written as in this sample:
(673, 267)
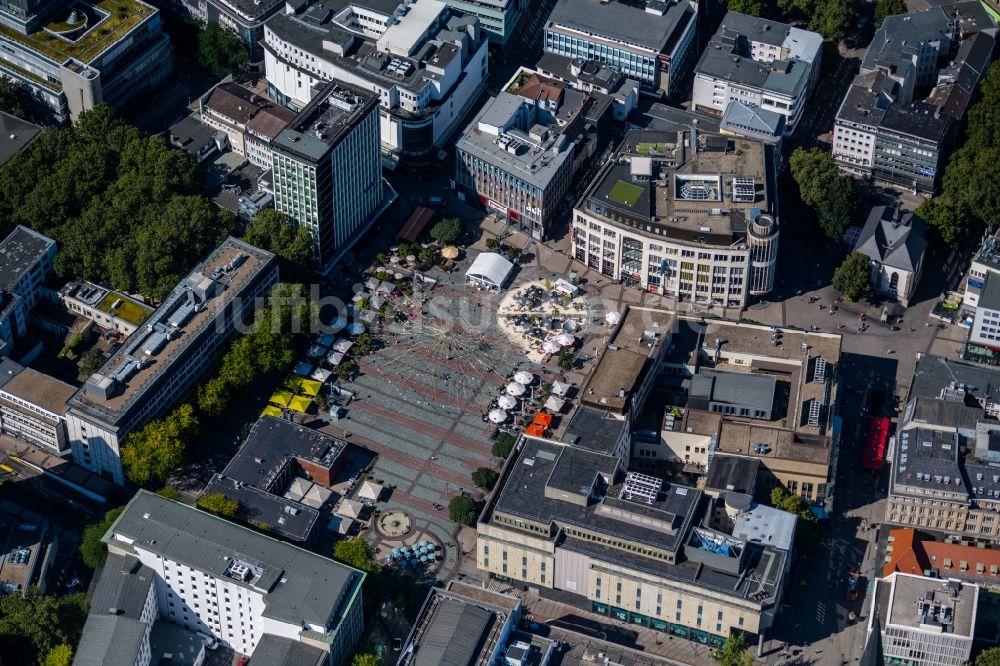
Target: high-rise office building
(328, 171)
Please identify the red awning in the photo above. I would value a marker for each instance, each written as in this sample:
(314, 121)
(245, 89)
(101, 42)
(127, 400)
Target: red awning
(415, 224)
(543, 419)
(875, 443)
(535, 430)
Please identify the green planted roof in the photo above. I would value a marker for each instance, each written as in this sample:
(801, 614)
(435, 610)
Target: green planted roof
(625, 193)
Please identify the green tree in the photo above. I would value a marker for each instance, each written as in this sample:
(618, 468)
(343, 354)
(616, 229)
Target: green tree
(60, 655)
(733, 652)
(485, 478)
(823, 188)
(355, 553)
(213, 396)
(988, 657)
(786, 501)
(447, 230)
(219, 504)
(853, 277)
(948, 218)
(33, 624)
(220, 50)
(271, 230)
(751, 7)
(93, 550)
(503, 445)
(92, 361)
(365, 659)
(152, 453)
(566, 359)
(14, 98)
(462, 510)
(887, 8)
(834, 19)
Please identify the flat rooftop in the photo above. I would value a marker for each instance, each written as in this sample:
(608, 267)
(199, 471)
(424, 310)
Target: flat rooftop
(545, 473)
(732, 474)
(274, 650)
(754, 340)
(39, 389)
(913, 602)
(624, 359)
(534, 158)
(290, 519)
(298, 587)
(109, 21)
(933, 374)
(455, 629)
(19, 251)
(132, 371)
(766, 525)
(741, 438)
(692, 191)
(327, 119)
(594, 430)
(627, 22)
(272, 443)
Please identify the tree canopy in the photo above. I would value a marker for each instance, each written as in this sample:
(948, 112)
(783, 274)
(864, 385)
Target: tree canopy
(218, 504)
(733, 652)
(485, 478)
(15, 99)
(93, 550)
(271, 230)
(365, 659)
(220, 50)
(751, 7)
(853, 277)
(124, 207)
(970, 192)
(153, 452)
(823, 188)
(34, 625)
(462, 510)
(988, 657)
(447, 230)
(887, 8)
(355, 553)
(503, 445)
(60, 655)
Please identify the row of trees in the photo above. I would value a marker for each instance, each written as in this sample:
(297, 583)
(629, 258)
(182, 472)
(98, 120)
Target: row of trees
(153, 452)
(970, 192)
(834, 19)
(124, 207)
(823, 188)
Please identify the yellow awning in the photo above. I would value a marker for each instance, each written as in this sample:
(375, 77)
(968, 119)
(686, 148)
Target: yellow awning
(282, 398)
(271, 410)
(309, 387)
(300, 404)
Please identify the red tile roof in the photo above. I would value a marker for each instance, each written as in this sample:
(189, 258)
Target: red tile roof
(915, 552)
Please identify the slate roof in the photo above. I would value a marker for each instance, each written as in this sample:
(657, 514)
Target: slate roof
(274, 650)
(752, 121)
(110, 640)
(892, 238)
(298, 587)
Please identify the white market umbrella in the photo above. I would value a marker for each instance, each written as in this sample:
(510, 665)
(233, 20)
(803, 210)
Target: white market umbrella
(515, 389)
(356, 329)
(524, 377)
(498, 416)
(550, 347)
(565, 340)
(393, 259)
(507, 402)
(613, 318)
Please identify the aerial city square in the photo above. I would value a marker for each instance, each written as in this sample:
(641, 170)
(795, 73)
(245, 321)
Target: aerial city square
(499, 332)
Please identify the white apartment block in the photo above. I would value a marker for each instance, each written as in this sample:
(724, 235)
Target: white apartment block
(237, 585)
(426, 62)
(159, 363)
(777, 72)
(926, 621)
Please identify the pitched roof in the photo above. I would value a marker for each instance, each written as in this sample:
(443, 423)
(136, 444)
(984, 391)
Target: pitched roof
(110, 640)
(915, 552)
(893, 238)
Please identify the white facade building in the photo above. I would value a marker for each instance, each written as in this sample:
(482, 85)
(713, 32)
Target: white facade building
(237, 585)
(426, 62)
(33, 407)
(26, 258)
(760, 63)
(926, 621)
(661, 217)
